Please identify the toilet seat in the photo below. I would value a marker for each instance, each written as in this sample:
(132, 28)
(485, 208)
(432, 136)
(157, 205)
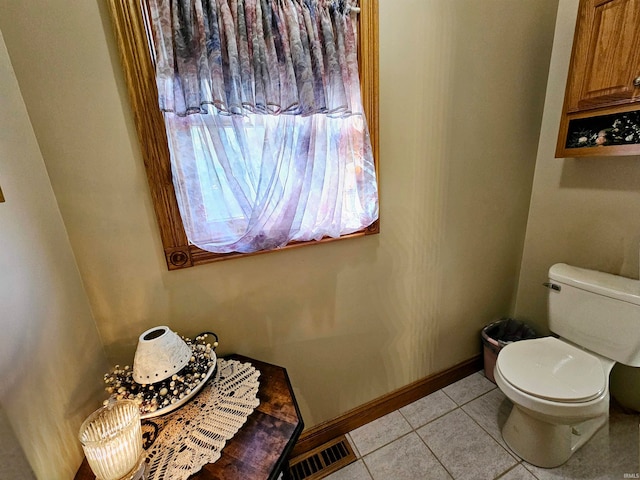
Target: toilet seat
(551, 369)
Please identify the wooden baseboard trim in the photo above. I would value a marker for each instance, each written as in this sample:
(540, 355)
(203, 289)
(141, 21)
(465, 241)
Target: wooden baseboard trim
(324, 432)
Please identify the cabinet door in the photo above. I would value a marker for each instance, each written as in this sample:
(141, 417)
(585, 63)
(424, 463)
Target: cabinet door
(611, 59)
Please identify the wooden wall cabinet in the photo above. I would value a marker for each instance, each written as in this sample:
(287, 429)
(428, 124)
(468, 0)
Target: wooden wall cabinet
(602, 98)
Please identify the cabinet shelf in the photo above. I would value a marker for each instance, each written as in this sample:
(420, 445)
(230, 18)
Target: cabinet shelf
(605, 132)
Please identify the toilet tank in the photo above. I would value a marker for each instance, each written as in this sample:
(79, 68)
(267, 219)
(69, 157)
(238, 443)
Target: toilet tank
(597, 311)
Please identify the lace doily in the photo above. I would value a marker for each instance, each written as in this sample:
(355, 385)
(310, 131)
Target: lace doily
(196, 434)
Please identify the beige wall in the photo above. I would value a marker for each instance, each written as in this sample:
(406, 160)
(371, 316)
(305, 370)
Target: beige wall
(51, 356)
(462, 87)
(584, 212)
(13, 462)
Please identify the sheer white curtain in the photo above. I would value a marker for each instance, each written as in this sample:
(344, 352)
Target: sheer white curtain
(262, 107)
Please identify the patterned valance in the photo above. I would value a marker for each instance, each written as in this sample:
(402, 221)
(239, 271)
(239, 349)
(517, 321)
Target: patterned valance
(255, 56)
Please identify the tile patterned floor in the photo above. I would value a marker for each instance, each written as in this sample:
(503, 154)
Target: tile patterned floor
(454, 433)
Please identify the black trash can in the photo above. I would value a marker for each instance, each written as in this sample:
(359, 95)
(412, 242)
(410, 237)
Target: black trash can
(498, 334)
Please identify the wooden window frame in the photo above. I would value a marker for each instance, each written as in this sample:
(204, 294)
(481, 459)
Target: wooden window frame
(139, 72)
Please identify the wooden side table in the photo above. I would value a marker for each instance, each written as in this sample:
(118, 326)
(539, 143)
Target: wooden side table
(261, 448)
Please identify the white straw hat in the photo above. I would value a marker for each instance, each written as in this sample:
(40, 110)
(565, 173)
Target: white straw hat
(160, 354)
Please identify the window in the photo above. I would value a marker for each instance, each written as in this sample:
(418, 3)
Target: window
(139, 72)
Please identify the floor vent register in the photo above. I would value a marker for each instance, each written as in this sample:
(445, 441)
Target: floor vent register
(323, 460)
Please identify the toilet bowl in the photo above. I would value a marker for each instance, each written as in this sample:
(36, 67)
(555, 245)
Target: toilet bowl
(560, 395)
(559, 386)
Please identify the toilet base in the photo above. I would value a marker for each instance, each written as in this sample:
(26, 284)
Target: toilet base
(545, 444)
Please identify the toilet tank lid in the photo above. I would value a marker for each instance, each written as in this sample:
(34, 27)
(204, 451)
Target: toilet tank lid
(614, 286)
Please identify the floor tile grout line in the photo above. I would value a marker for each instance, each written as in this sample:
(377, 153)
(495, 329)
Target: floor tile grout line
(508, 452)
(519, 461)
(524, 465)
(449, 396)
(388, 443)
(502, 475)
(434, 453)
(431, 420)
(507, 449)
(363, 458)
(366, 467)
(471, 399)
(353, 445)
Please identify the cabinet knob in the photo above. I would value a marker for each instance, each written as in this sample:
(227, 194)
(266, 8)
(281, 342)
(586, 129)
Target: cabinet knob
(636, 82)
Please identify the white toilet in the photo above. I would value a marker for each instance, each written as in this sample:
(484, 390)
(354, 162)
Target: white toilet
(560, 386)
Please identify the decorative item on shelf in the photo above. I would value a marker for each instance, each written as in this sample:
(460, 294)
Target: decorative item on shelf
(111, 438)
(616, 129)
(168, 371)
